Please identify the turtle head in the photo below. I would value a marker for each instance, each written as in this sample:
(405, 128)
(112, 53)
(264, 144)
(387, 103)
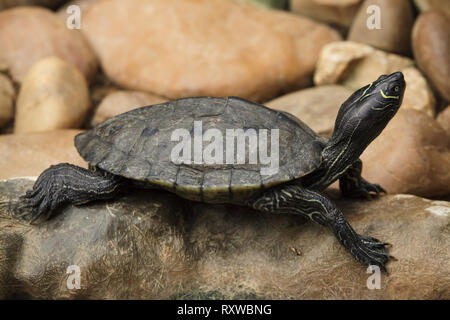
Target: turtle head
(366, 112)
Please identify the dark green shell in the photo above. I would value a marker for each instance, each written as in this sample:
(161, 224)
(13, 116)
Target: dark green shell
(137, 145)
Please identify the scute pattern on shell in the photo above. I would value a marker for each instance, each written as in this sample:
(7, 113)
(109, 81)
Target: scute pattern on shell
(137, 145)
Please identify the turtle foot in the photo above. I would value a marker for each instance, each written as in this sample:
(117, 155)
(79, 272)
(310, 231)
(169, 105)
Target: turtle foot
(371, 251)
(367, 250)
(363, 189)
(45, 196)
(63, 184)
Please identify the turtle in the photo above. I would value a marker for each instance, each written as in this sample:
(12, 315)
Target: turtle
(137, 148)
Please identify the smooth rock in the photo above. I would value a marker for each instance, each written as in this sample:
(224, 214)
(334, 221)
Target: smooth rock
(431, 46)
(355, 65)
(418, 94)
(427, 5)
(267, 4)
(396, 21)
(340, 13)
(444, 119)
(84, 5)
(5, 4)
(7, 96)
(122, 101)
(411, 155)
(316, 106)
(100, 87)
(153, 245)
(204, 47)
(54, 95)
(28, 154)
(29, 34)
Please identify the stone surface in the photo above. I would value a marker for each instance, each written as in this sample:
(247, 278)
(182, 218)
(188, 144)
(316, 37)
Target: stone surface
(100, 87)
(206, 47)
(354, 65)
(411, 155)
(396, 19)
(54, 95)
(431, 46)
(5, 4)
(122, 101)
(340, 13)
(82, 4)
(28, 34)
(427, 5)
(444, 119)
(268, 4)
(28, 154)
(153, 245)
(316, 106)
(418, 94)
(7, 96)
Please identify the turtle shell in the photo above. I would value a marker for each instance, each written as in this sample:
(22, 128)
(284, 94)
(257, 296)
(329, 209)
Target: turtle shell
(138, 145)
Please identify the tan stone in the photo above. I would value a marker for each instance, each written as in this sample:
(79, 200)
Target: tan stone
(204, 47)
(418, 94)
(28, 34)
(122, 101)
(267, 4)
(84, 5)
(316, 106)
(7, 96)
(444, 119)
(100, 87)
(411, 155)
(427, 5)
(431, 46)
(54, 95)
(5, 4)
(355, 65)
(28, 154)
(153, 245)
(336, 12)
(396, 19)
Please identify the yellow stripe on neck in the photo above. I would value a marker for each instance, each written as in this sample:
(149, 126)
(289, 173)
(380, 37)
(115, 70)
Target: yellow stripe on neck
(387, 97)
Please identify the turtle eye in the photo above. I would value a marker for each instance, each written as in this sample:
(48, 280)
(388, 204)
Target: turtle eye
(396, 88)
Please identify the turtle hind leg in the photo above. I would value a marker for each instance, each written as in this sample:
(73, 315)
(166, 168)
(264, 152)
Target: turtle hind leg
(312, 204)
(64, 184)
(352, 185)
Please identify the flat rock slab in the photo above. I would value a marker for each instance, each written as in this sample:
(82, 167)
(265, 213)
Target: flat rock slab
(152, 245)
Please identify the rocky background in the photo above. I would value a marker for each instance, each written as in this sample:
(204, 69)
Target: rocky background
(302, 56)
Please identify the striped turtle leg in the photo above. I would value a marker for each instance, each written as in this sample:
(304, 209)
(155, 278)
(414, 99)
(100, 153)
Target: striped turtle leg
(312, 204)
(63, 184)
(352, 185)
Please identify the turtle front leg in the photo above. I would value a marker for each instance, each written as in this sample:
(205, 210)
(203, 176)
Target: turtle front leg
(352, 185)
(63, 184)
(312, 204)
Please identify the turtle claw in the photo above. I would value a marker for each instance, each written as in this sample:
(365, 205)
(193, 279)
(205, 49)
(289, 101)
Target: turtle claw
(393, 258)
(371, 251)
(38, 201)
(363, 189)
(367, 250)
(32, 205)
(373, 188)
